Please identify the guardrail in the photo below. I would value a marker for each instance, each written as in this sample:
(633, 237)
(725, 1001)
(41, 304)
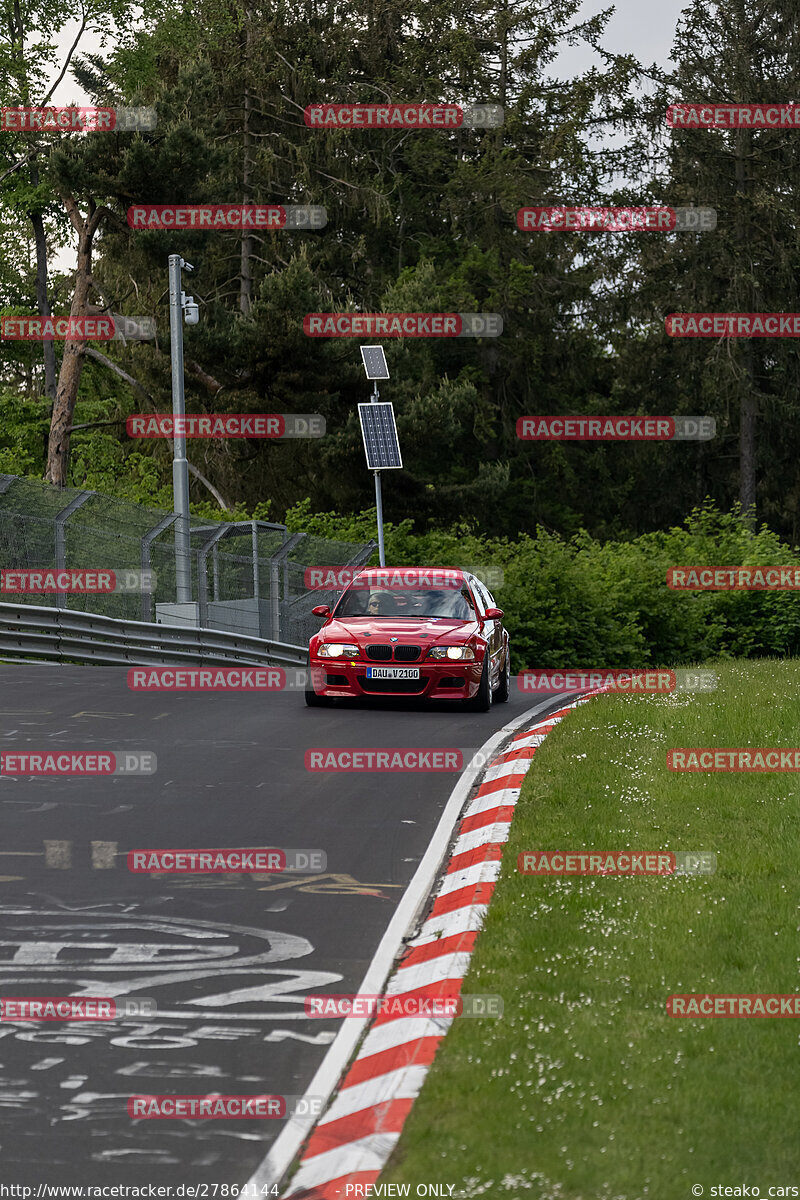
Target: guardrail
(28, 630)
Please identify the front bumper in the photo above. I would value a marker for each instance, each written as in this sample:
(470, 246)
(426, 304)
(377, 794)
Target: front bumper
(448, 680)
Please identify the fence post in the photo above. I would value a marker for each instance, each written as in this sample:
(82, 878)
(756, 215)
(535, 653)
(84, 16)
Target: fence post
(61, 519)
(202, 569)
(147, 540)
(275, 564)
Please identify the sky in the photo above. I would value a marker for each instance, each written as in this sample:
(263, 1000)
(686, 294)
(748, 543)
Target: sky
(635, 28)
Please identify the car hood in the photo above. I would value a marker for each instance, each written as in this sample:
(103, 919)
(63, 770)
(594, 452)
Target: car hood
(356, 629)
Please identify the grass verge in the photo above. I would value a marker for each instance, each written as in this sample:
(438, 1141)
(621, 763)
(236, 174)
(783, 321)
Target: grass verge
(586, 1088)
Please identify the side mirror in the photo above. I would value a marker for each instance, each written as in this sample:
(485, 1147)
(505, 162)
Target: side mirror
(494, 614)
(322, 610)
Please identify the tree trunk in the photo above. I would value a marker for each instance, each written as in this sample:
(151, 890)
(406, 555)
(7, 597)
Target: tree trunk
(74, 351)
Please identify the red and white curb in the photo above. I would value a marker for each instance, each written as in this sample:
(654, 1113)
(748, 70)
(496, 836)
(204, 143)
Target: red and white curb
(354, 1139)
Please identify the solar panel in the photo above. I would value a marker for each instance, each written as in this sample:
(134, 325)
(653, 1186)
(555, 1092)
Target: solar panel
(380, 436)
(374, 361)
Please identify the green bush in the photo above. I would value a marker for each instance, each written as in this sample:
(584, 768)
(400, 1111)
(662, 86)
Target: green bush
(579, 602)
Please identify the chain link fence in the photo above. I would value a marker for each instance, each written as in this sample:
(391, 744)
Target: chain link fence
(248, 577)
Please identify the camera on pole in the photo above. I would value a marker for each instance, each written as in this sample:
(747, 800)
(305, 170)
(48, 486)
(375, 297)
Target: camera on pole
(180, 468)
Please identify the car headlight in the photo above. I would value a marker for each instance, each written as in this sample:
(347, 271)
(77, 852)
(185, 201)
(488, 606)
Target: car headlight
(337, 650)
(464, 653)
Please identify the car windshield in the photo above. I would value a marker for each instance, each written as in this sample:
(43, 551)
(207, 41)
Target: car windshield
(416, 604)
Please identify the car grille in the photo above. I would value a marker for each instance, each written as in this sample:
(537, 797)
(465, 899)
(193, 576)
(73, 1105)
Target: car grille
(379, 653)
(452, 681)
(401, 653)
(406, 653)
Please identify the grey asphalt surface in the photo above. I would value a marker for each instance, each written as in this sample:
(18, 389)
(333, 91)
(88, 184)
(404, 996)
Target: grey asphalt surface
(226, 958)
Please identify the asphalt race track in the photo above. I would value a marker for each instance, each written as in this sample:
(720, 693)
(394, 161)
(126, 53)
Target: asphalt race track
(227, 959)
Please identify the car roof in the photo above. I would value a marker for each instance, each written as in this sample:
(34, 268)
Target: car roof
(410, 576)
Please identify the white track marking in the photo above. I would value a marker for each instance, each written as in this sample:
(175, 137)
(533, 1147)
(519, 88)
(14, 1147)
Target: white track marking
(283, 1151)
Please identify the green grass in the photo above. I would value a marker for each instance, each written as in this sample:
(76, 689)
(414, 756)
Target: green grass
(586, 1088)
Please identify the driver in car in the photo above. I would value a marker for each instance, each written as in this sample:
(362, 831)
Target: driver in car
(381, 604)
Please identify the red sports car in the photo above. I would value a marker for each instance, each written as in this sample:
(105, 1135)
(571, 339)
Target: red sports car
(411, 631)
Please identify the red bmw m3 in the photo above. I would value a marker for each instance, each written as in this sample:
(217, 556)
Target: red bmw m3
(431, 632)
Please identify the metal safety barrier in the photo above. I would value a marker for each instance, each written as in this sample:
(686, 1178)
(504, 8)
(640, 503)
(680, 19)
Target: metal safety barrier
(249, 578)
(34, 631)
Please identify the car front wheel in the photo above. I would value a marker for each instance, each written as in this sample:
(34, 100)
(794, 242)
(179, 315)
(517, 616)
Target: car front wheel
(504, 686)
(482, 700)
(312, 699)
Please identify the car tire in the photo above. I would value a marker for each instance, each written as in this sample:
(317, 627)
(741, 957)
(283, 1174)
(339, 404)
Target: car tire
(312, 699)
(504, 686)
(482, 700)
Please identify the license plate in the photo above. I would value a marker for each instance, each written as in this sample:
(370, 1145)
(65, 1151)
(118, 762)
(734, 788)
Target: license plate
(392, 672)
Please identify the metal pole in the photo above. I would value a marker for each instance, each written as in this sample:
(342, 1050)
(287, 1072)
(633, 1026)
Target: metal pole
(202, 589)
(274, 599)
(379, 506)
(378, 498)
(180, 466)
